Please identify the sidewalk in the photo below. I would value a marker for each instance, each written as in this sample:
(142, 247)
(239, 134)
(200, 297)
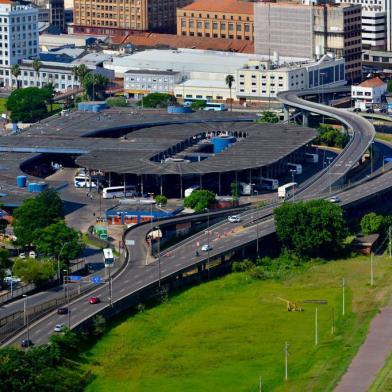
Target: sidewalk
(371, 356)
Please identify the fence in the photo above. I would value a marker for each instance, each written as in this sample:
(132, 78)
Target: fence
(17, 292)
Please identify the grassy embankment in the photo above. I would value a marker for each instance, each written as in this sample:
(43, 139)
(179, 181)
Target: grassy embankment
(225, 334)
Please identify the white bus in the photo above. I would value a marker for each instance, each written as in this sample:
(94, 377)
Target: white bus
(108, 257)
(295, 166)
(311, 158)
(287, 190)
(189, 190)
(216, 107)
(81, 180)
(270, 184)
(245, 188)
(113, 192)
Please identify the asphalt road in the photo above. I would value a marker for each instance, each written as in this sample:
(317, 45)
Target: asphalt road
(223, 237)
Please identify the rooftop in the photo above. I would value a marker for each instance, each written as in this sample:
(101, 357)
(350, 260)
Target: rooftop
(147, 72)
(226, 6)
(374, 82)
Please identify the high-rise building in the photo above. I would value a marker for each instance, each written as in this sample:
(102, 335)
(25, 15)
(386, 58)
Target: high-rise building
(231, 19)
(309, 31)
(122, 17)
(56, 12)
(376, 23)
(18, 36)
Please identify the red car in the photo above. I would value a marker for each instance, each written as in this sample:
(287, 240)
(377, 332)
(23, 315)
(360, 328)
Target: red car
(94, 300)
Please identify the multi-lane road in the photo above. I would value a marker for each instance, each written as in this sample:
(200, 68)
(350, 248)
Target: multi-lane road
(224, 237)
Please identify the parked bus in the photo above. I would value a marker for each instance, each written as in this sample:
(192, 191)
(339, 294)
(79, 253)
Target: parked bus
(245, 188)
(295, 166)
(311, 158)
(108, 257)
(82, 180)
(189, 190)
(113, 192)
(287, 190)
(214, 106)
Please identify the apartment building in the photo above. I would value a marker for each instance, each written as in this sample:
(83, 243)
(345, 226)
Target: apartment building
(118, 17)
(18, 36)
(55, 9)
(368, 93)
(310, 31)
(231, 19)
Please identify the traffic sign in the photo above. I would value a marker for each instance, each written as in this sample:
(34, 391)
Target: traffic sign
(74, 278)
(96, 279)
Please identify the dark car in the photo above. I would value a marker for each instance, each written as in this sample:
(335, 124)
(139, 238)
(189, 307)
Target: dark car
(26, 343)
(357, 110)
(62, 310)
(384, 110)
(370, 110)
(94, 300)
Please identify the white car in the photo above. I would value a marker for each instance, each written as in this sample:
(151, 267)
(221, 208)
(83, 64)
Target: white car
(32, 254)
(59, 328)
(334, 199)
(206, 248)
(22, 255)
(234, 219)
(12, 279)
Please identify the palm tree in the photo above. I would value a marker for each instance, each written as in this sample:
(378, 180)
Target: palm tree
(80, 71)
(36, 64)
(15, 72)
(229, 82)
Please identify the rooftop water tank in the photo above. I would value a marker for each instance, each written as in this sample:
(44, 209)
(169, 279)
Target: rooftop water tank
(21, 181)
(220, 143)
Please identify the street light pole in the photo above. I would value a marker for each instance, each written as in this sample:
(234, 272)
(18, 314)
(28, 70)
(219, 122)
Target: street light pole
(159, 255)
(26, 317)
(293, 172)
(208, 243)
(58, 261)
(257, 239)
(329, 159)
(371, 158)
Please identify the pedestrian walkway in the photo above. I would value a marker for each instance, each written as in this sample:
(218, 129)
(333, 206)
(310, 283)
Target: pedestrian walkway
(371, 356)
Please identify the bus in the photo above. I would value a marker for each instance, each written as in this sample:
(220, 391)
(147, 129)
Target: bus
(311, 158)
(270, 184)
(295, 166)
(286, 190)
(214, 106)
(83, 180)
(113, 192)
(245, 188)
(108, 257)
(189, 190)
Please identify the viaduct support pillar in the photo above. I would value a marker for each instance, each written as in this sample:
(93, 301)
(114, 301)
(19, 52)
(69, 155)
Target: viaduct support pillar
(286, 113)
(305, 118)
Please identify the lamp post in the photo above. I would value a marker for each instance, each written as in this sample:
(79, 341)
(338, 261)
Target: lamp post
(293, 172)
(208, 242)
(25, 316)
(371, 157)
(329, 159)
(58, 261)
(66, 294)
(159, 255)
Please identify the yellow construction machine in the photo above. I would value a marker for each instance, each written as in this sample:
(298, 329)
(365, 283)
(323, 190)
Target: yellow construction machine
(291, 306)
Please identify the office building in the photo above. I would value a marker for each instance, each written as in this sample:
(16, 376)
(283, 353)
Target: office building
(18, 37)
(55, 10)
(310, 31)
(376, 23)
(261, 80)
(115, 17)
(231, 19)
(138, 83)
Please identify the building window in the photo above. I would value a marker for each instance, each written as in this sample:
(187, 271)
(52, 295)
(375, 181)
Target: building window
(199, 25)
(215, 27)
(207, 25)
(223, 26)
(231, 26)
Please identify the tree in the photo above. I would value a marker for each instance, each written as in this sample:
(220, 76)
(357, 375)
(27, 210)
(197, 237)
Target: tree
(34, 270)
(199, 200)
(94, 85)
(15, 72)
(234, 186)
(268, 117)
(117, 102)
(198, 104)
(158, 100)
(311, 229)
(389, 86)
(161, 200)
(36, 213)
(229, 80)
(56, 238)
(331, 137)
(80, 71)
(3, 225)
(29, 104)
(5, 262)
(36, 64)
(371, 223)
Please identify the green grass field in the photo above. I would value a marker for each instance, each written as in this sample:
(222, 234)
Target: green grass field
(3, 102)
(225, 334)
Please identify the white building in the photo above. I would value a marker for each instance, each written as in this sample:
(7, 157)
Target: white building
(139, 83)
(260, 80)
(368, 93)
(18, 36)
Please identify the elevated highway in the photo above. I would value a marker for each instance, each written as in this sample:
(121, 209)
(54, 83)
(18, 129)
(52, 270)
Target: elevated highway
(137, 277)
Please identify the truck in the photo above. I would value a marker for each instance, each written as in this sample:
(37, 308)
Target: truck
(295, 166)
(189, 190)
(245, 188)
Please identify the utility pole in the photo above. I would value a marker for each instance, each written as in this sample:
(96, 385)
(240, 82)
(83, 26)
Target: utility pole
(110, 287)
(329, 159)
(286, 361)
(343, 301)
(316, 327)
(260, 384)
(390, 243)
(257, 239)
(371, 270)
(333, 322)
